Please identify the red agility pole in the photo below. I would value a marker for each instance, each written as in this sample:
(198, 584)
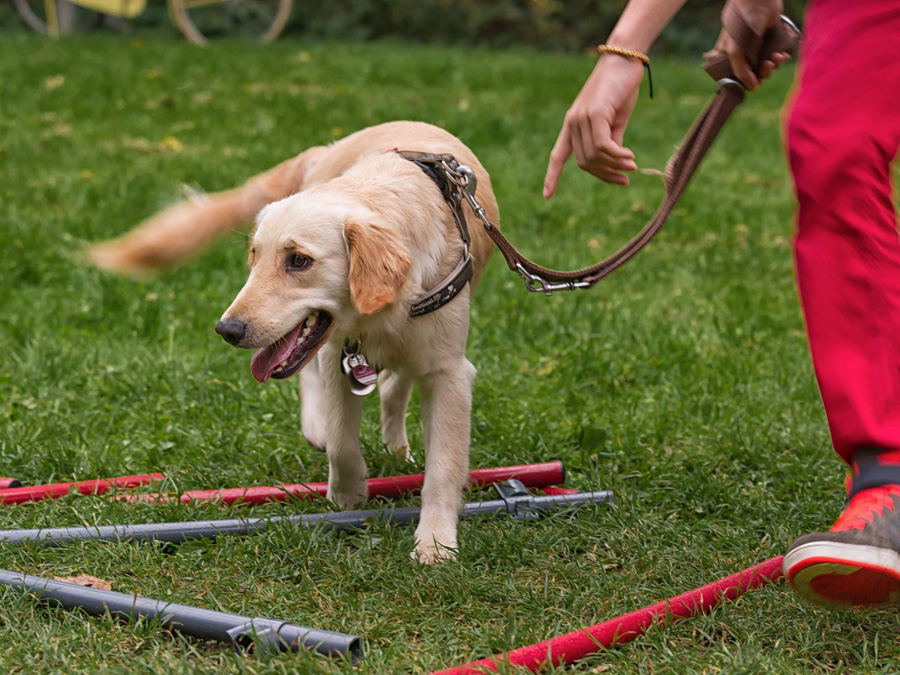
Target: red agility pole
(88, 487)
(569, 648)
(556, 490)
(532, 475)
(9, 482)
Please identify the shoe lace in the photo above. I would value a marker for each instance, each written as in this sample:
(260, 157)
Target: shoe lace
(866, 506)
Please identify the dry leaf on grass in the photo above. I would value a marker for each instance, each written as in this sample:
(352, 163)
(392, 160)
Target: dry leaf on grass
(171, 143)
(87, 580)
(54, 82)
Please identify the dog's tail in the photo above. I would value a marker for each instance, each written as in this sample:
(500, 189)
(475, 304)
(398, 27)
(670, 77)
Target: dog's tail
(188, 227)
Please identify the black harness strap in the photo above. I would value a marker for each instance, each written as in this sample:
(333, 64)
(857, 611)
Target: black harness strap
(453, 283)
(450, 194)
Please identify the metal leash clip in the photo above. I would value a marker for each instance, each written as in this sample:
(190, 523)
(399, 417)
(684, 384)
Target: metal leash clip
(464, 178)
(537, 284)
(465, 181)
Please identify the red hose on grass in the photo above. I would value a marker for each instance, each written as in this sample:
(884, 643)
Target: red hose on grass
(570, 647)
(32, 493)
(532, 475)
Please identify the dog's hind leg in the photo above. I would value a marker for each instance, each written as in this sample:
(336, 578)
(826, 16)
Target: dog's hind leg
(446, 416)
(394, 390)
(343, 411)
(312, 405)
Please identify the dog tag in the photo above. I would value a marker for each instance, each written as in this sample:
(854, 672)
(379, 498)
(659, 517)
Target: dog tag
(361, 376)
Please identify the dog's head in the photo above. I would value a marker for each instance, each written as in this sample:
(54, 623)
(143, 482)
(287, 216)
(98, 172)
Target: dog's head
(318, 260)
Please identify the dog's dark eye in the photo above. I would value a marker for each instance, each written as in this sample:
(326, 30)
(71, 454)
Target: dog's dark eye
(298, 262)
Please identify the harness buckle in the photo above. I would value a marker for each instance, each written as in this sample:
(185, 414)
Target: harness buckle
(463, 177)
(470, 183)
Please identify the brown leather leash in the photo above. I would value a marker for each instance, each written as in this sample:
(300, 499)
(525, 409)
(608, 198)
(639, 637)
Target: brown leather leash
(783, 37)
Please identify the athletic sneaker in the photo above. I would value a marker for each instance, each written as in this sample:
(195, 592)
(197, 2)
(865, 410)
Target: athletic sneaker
(858, 561)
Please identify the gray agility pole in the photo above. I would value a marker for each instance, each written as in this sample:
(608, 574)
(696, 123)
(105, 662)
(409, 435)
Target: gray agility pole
(242, 632)
(515, 501)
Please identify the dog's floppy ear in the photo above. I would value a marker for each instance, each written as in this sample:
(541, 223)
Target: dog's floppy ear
(379, 263)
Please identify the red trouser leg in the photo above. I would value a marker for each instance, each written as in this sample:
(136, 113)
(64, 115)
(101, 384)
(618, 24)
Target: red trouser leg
(843, 135)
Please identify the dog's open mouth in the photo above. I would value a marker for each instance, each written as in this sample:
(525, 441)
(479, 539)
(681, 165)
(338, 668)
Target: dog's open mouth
(290, 353)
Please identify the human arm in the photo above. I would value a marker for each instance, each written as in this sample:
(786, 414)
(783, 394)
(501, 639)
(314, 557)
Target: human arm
(594, 126)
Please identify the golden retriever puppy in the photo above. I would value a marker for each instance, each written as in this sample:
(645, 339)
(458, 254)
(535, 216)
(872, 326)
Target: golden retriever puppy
(348, 237)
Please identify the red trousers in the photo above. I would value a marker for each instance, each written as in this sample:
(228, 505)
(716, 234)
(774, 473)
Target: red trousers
(843, 134)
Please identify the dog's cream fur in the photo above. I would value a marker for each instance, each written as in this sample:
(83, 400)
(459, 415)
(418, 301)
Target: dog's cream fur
(380, 235)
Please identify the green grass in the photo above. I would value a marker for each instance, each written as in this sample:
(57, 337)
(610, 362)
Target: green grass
(682, 383)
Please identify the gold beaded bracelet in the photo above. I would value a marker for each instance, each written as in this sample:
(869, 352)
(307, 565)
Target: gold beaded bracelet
(630, 54)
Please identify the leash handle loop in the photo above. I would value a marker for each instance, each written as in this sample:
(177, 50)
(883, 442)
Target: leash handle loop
(782, 37)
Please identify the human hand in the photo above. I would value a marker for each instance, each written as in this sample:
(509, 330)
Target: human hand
(595, 124)
(759, 15)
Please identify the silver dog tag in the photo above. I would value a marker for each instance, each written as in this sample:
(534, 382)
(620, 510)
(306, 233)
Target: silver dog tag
(361, 376)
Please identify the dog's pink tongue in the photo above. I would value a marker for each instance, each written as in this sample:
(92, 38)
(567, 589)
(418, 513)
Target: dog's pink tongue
(267, 359)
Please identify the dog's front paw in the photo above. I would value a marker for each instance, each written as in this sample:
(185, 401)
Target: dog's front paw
(431, 551)
(348, 498)
(402, 452)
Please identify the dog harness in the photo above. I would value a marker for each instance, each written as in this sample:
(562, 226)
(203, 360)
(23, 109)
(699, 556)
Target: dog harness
(454, 282)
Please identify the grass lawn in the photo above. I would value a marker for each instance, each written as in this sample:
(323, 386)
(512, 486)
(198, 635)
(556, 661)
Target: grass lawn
(682, 383)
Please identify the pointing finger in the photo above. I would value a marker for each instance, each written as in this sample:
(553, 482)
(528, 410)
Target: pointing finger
(560, 154)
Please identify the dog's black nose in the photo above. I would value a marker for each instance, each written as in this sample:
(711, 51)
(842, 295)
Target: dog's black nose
(233, 330)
